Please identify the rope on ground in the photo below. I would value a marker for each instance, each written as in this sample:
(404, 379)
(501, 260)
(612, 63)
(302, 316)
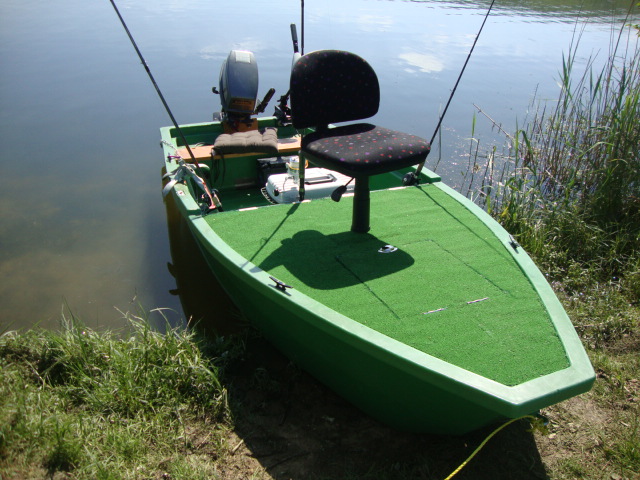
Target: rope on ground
(484, 442)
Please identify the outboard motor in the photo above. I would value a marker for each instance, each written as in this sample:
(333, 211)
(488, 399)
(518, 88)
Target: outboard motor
(238, 86)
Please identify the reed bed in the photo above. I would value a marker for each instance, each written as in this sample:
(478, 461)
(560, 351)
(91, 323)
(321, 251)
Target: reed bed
(569, 189)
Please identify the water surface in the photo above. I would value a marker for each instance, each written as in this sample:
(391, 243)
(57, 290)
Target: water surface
(83, 225)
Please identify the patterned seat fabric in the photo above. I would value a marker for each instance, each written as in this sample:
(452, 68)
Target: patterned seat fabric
(332, 86)
(364, 149)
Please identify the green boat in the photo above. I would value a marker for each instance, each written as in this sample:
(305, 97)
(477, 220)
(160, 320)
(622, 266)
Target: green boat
(361, 266)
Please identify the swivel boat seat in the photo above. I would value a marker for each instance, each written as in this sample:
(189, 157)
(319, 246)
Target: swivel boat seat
(333, 86)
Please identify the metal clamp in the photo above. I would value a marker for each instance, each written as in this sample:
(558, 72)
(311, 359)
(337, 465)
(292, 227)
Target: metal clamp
(280, 285)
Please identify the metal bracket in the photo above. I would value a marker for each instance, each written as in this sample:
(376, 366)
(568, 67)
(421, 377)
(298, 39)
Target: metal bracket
(513, 242)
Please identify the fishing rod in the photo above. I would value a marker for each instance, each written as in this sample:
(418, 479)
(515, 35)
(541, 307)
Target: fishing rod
(214, 201)
(302, 27)
(412, 177)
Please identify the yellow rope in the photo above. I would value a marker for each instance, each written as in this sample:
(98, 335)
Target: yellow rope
(484, 442)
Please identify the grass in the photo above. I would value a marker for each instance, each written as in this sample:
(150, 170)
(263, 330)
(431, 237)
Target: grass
(598, 432)
(80, 404)
(104, 407)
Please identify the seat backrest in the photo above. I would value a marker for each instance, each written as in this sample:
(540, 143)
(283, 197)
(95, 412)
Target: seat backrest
(332, 86)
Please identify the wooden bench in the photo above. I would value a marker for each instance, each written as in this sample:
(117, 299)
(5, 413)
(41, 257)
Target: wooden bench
(286, 146)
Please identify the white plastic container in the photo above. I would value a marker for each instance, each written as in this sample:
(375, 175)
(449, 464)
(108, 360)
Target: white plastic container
(319, 183)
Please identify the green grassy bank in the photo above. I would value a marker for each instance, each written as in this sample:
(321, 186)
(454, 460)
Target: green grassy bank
(77, 404)
(101, 407)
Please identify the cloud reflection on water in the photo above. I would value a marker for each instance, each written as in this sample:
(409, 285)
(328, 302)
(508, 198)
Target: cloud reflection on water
(424, 62)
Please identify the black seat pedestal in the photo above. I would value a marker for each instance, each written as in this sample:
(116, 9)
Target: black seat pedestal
(361, 206)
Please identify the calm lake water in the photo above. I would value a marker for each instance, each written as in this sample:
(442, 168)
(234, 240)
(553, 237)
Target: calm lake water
(83, 227)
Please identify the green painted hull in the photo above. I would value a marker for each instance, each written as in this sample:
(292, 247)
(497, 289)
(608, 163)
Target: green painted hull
(416, 367)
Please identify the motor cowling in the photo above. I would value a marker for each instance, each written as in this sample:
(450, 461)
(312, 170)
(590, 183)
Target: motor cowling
(239, 85)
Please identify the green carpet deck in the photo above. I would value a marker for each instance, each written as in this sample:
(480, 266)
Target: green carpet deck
(451, 290)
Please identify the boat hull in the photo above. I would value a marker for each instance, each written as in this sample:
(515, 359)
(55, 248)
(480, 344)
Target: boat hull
(394, 382)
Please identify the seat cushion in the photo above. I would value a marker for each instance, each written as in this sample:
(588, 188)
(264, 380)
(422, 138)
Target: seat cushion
(363, 149)
(259, 141)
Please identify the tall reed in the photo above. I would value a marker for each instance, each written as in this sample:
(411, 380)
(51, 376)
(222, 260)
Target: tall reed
(570, 191)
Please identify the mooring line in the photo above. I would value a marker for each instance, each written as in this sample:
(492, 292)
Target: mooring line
(484, 442)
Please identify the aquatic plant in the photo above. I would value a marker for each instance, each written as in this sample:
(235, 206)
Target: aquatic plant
(570, 189)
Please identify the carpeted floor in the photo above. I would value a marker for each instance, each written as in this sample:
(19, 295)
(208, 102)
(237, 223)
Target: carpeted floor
(451, 289)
